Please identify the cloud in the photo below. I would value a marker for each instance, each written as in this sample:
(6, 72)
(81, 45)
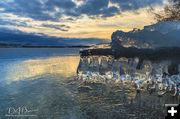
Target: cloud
(97, 7)
(13, 23)
(39, 9)
(135, 4)
(107, 25)
(57, 27)
(54, 10)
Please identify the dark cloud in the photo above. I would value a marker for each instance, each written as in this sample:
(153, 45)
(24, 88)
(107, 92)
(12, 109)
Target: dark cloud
(13, 23)
(135, 4)
(97, 7)
(56, 9)
(58, 27)
(40, 9)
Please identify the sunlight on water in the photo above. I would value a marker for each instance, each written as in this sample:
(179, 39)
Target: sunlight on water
(64, 66)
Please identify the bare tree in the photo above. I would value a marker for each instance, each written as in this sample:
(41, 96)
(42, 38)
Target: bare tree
(170, 12)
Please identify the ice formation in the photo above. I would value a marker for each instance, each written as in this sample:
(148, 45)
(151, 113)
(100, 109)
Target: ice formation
(161, 76)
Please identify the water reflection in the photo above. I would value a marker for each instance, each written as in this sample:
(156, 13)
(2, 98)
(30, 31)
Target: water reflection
(64, 66)
(39, 82)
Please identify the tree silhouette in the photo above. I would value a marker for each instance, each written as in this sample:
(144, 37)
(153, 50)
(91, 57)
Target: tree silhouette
(171, 12)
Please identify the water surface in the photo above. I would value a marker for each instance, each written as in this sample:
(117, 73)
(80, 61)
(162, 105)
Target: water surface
(34, 79)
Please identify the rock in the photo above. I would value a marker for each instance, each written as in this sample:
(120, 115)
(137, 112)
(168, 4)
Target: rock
(84, 89)
(153, 36)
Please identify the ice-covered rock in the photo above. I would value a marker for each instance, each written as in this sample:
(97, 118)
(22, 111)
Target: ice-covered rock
(162, 34)
(151, 74)
(149, 58)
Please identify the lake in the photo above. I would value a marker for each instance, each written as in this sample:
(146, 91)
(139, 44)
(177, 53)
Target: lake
(33, 79)
(40, 84)
(21, 63)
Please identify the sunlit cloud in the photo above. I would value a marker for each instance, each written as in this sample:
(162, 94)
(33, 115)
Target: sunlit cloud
(57, 19)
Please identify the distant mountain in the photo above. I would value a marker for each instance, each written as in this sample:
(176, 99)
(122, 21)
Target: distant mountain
(163, 34)
(18, 38)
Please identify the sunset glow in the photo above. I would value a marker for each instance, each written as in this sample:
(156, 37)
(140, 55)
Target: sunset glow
(83, 26)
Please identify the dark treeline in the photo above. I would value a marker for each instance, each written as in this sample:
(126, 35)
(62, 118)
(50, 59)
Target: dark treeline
(4, 45)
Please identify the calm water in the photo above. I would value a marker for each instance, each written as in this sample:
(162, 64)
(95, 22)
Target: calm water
(19, 63)
(38, 84)
(33, 79)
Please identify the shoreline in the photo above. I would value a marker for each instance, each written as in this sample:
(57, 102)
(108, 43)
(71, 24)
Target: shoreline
(45, 46)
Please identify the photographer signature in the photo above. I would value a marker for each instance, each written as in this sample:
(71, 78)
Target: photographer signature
(20, 112)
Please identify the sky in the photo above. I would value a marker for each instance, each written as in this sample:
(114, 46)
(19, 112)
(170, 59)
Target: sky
(77, 18)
